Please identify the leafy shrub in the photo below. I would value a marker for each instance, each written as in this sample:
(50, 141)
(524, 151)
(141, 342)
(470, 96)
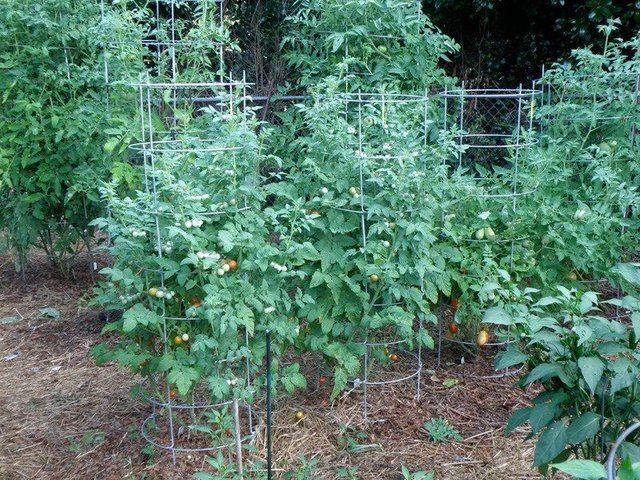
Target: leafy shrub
(373, 42)
(53, 119)
(588, 197)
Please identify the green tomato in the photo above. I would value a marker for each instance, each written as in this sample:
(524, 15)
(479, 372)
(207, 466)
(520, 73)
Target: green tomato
(480, 234)
(489, 234)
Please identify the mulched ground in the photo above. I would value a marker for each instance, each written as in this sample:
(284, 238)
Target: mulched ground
(63, 417)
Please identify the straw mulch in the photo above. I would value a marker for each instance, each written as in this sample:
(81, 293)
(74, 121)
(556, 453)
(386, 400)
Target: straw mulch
(63, 417)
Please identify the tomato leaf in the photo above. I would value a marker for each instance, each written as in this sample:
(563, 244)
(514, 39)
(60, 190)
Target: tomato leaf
(138, 315)
(182, 377)
(497, 316)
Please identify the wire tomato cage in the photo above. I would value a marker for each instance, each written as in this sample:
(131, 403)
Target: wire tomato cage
(175, 39)
(197, 167)
(491, 171)
(378, 169)
(603, 112)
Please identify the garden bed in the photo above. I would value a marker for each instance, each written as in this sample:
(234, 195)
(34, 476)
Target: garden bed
(63, 417)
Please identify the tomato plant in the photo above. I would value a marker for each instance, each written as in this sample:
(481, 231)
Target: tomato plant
(372, 42)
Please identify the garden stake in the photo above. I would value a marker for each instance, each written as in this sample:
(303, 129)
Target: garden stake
(268, 333)
(236, 419)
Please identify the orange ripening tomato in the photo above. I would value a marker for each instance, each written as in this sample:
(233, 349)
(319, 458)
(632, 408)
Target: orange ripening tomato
(483, 338)
(195, 301)
(232, 264)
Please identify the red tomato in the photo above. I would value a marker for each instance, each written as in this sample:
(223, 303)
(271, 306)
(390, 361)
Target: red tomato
(455, 303)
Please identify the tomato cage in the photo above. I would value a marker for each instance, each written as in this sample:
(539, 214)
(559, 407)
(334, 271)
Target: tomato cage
(169, 39)
(375, 186)
(193, 170)
(591, 122)
(491, 177)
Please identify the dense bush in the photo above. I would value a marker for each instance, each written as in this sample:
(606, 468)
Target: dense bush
(53, 117)
(372, 42)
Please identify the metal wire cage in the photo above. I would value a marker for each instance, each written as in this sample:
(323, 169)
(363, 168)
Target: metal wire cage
(180, 40)
(198, 168)
(378, 156)
(493, 170)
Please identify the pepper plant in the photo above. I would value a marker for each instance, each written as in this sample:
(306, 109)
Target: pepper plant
(585, 361)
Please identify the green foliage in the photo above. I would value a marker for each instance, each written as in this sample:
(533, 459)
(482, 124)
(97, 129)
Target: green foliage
(53, 119)
(421, 475)
(368, 42)
(207, 206)
(586, 363)
(440, 430)
(88, 440)
(194, 57)
(590, 184)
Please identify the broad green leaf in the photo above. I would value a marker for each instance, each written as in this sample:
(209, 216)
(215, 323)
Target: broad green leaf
(635, 321)
(629, 271)
(629, 470)
(497, 316)
(541, 416)
(543, 371)
(545, 301)
(550, 444)
(625, 374)
(584, 333)
(587, 302)
(592, 369)
(582, 428)
(629, 450)
(582, 469)
(509, 358)
(517, 418)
